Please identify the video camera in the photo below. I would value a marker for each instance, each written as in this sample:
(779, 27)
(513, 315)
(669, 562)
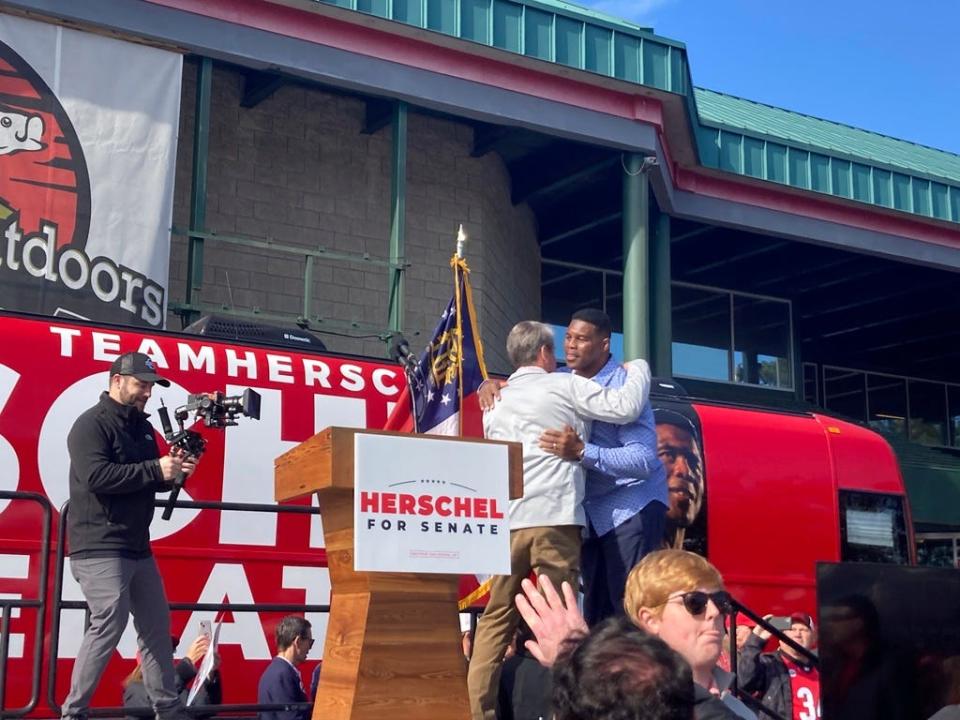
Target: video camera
(216, 410)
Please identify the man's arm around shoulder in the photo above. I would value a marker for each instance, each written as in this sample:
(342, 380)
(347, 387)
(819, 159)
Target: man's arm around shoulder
(617, 405)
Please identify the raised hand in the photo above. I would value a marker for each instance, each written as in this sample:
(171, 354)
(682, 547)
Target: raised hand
(552, 620)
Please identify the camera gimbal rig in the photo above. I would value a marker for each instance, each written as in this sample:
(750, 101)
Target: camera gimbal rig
(217, 411)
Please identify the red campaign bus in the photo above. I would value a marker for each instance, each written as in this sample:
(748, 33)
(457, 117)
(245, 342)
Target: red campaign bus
(771, 493)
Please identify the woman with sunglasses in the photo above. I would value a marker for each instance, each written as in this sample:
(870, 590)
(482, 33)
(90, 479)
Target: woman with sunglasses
(679, 597)
(673, 594)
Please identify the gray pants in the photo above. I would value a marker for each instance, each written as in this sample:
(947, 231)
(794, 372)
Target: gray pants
(115, 587)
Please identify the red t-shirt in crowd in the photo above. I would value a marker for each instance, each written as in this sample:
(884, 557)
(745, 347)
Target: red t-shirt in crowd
(805, 689)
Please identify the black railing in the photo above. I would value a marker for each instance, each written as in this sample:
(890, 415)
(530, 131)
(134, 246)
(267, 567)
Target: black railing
(8, 604)
(58, 605)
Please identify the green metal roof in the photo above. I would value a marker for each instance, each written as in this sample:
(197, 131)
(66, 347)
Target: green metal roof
(732, 134)
(724, 110)
(770, 143)
(550, 30)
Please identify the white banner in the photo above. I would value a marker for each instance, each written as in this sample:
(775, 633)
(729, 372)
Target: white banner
(88, 144)
(430, 506)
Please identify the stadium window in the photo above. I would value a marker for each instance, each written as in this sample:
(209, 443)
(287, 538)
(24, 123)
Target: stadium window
(928, 412)
(811, 384)
(953, 413)
(887, 403)
(761, 331)
(845, 392)
(734, 337)
(937, 549)
(702, 333)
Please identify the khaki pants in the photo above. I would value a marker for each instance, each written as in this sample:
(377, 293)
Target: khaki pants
(550, 551)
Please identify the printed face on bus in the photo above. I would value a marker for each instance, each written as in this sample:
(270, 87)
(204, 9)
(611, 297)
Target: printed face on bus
(584, 348)
(679, 452)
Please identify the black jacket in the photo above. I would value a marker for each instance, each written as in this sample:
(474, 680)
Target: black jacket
(525, 688)
(281, 683)
(707, 706)
(114, 475)
(766, 675)
(135, 694)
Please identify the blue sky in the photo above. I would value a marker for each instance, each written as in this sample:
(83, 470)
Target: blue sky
(891, 67)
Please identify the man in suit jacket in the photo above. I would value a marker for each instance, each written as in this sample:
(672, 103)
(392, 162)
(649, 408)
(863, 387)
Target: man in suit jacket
(281, 681)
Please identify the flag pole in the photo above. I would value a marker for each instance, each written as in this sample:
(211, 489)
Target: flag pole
(458, 280)
(461, 241)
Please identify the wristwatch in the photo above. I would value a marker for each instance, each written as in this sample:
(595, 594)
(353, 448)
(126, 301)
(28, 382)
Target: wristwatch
(583, 451)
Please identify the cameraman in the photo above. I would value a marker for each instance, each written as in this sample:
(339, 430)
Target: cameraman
(115, 472)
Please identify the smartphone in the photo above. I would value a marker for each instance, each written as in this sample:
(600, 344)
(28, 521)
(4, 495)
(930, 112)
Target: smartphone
(206, 629)
(781, 623)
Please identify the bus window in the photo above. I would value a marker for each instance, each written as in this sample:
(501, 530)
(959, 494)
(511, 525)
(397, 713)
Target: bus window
(872, 528)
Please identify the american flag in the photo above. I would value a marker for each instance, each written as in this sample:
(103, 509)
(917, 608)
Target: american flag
(449, 371)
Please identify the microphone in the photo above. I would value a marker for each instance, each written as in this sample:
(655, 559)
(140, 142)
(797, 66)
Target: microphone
(399, 351)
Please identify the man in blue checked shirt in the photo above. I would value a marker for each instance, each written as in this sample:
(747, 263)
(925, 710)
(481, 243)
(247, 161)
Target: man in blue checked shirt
(626, 493)
(626, 490)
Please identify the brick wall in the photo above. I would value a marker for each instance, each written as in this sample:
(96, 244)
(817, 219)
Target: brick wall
(297, 170)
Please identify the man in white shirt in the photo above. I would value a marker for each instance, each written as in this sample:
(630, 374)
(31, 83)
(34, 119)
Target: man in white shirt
(546, 523)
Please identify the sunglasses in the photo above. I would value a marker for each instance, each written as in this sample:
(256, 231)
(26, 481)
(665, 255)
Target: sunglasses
(696, 601)
(309, 641)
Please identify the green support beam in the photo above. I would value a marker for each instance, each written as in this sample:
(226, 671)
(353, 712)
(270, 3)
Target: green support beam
(661, 335)
(398, 201)
(198, 188)
(636, 259)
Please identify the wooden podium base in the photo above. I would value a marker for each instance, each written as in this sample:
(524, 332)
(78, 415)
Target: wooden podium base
(393, 639)
(393, 648)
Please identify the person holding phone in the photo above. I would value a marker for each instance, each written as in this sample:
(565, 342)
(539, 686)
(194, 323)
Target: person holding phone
(786, 680)
(186, 670)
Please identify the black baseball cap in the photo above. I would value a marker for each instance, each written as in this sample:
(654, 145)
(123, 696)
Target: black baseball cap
(139, 366)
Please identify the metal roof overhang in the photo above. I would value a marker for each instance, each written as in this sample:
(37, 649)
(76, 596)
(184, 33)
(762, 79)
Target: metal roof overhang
(259, 49)
(563, 108)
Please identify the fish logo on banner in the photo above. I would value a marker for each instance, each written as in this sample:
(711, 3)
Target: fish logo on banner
(44, 187)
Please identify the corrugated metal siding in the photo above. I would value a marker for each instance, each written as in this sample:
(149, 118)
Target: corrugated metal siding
(733, 112)
(732, 134)
(548, 30)
(749, 138)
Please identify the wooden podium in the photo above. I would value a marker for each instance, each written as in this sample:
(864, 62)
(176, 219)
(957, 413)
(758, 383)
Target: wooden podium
(393, 645)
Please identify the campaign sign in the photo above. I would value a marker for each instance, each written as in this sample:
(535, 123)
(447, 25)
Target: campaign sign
(430, 505)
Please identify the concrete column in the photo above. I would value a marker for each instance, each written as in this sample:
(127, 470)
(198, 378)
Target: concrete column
(661, 314)
(198, 188)
(636, 259)
(398, 203)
